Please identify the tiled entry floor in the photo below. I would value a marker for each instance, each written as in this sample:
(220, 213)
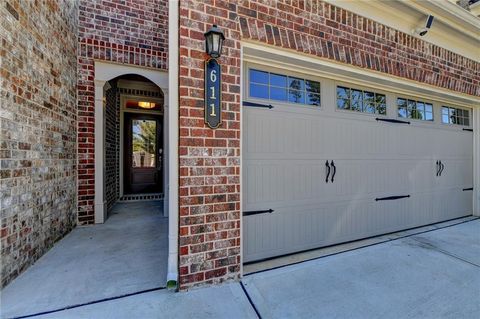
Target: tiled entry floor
(125, 255)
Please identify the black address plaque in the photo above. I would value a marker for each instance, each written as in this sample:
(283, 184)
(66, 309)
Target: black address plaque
(213, 94)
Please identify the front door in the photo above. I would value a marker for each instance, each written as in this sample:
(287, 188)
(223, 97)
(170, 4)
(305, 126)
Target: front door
(143, 155)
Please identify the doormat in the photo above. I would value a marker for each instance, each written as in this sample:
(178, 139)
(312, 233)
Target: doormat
(140, 197)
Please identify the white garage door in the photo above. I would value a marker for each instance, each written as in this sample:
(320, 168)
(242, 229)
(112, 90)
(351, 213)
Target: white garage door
(381, 176)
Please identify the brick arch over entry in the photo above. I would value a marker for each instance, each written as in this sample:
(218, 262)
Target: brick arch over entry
(105, 72)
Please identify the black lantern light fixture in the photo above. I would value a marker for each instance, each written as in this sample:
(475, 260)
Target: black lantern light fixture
(214, 41)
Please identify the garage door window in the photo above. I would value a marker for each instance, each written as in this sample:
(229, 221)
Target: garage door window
(361, 101)
(417, 110)
(451, 115)
(284, 88)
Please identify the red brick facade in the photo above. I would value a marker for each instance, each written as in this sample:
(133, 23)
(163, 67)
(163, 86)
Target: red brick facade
(38, 138)
(129, 32)
(210, 159)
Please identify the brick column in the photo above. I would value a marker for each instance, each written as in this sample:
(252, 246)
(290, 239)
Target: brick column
(100, 204)
(209, 160)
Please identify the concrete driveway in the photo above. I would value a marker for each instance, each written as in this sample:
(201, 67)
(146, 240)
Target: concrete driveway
(433, 274)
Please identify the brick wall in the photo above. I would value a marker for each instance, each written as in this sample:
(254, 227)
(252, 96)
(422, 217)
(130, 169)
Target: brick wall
(112, 145)
(38, 129)
(130, 32)
(209, 159)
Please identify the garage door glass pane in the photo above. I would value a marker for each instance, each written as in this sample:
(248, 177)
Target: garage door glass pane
(357, 99)
(369, 102)
(413, 109)
(278, 80)
(258, 76)
(312, 99)
(402, 107)
(278, 87)
(343, 104)
(445, 119)
(428, 112)
(258, 90)
(278, 94)
(296, 83)
(296, 96)
(381, 104)
(361, 101)
(343, 92)
(452, 115)
(420, 111)
(312, 86)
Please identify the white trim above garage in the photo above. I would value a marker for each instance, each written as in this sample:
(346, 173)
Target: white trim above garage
(303, 63)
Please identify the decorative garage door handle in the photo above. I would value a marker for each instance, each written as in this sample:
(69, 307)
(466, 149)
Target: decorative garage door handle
(440, 168)
(334, 170)
(328, 171)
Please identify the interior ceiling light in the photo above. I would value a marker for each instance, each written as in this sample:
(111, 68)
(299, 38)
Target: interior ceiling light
(146, 105)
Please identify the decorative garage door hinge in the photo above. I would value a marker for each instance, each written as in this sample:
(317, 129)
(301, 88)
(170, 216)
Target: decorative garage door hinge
(267, 106)
(468, 129)
(468, 189)
(392, 121)
(256, 212)
(391, 197)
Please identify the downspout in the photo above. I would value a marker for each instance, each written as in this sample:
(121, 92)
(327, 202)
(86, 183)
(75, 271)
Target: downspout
(173, 21)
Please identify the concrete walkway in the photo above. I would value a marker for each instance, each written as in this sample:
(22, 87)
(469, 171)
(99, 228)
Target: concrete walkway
(435, 274)
(127, 254)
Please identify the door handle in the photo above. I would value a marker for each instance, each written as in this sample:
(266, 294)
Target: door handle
(328, 171)
(442, 167)
(334, 170)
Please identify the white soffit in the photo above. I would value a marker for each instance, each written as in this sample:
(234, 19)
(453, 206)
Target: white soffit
(266, 55)
(454, 28)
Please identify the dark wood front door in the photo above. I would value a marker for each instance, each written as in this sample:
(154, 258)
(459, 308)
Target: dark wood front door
(143, 154)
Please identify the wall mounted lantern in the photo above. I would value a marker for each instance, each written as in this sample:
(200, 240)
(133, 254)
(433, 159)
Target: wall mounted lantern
(214, 41)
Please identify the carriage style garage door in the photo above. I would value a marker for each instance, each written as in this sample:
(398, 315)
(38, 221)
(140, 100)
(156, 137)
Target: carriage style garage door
(319, 175)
